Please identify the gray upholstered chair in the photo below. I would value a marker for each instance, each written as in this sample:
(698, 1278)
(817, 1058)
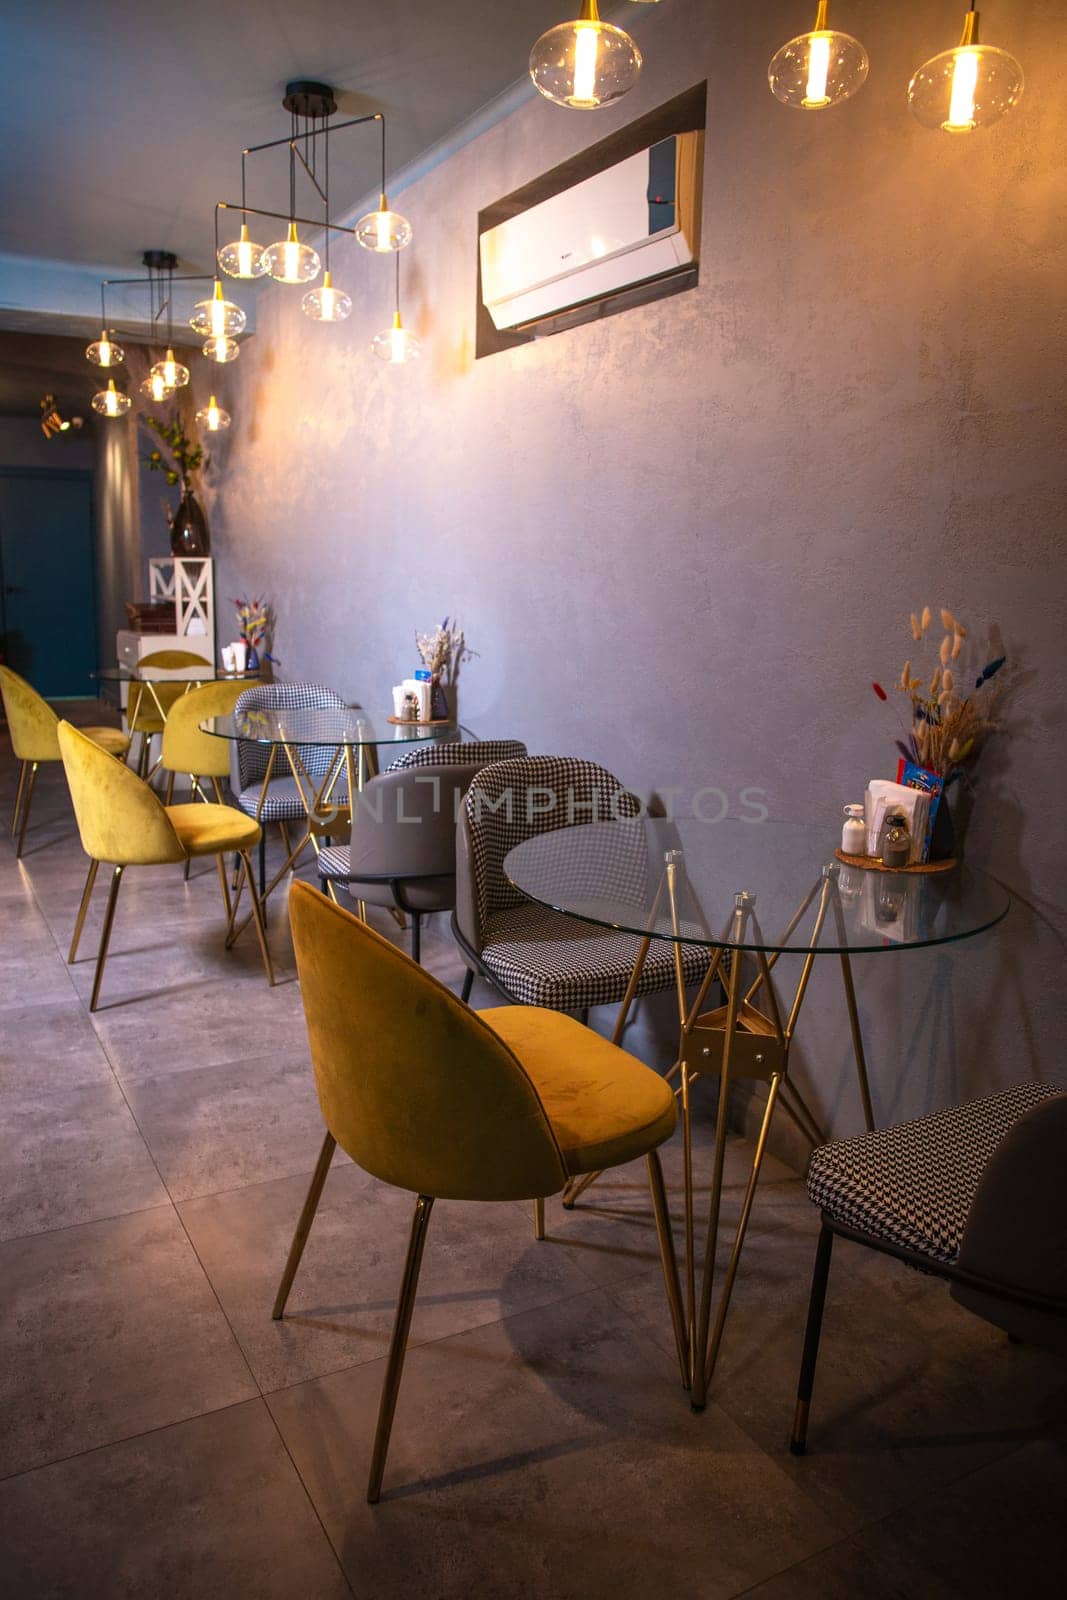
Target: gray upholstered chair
(974, 1194)
(533, 955)
(403, 846)
(250, 761)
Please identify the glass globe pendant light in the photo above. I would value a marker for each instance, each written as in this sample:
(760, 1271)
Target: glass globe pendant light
(154, 388)
(111, 402)
(289, 261)
(326, 304)
(584, 64)
(104, 352)
(395, 344)
(241, 258)
(173, 374)
(818, 69)
(383, 230)
(217, 317)
(221, 349)
(212, 417)
(968, 87)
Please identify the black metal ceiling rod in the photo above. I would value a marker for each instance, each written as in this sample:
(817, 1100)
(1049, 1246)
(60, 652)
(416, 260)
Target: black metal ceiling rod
(292, 140)
(281, 216)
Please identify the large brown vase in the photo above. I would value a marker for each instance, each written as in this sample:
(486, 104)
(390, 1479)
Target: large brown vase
(188, 529)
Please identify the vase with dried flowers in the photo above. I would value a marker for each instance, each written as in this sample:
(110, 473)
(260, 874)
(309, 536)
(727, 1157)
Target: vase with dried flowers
(253, 622)
(179, 459)
(949, 721)
(443, 653)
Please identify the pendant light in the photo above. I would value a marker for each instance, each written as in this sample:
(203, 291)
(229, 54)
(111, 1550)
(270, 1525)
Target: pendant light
(241, 258)
(395, 344)
(325, 303)
(584, 64)
(213, 417)
(287, 260)
(221, 349)
(818, 69)
(217, 317)
(170, 370)
(111, 402)
(383, 230)
(104, 352)
(968, 87)
(155, 389)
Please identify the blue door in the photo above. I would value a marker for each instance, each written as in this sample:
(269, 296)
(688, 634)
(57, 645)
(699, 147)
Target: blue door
(47, 580)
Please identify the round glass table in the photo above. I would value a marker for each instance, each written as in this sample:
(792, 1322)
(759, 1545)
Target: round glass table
(751, 894)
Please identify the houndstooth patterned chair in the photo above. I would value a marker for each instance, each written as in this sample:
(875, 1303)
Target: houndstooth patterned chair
(974, 1194)
(282, 803)
(532, 954)
(403, 846)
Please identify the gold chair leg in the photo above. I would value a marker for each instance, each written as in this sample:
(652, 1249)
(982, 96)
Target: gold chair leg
(303, 1227)
(398, 1344)
(216, 786)
(257, 918)
(539, 1217)
(18, 797)
(105, 937)
(669, 1261)
(225, 883)
(26, 804)
(82, 909)
(169, 796)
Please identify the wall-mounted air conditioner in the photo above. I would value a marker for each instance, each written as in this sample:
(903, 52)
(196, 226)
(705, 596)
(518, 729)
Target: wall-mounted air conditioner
(634, 222)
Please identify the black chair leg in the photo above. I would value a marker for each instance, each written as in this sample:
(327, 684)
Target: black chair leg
(819, 1278)
(416, 937)
(468, 985)
(263, 861)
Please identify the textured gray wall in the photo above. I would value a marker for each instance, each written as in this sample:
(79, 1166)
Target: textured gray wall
(728, 501)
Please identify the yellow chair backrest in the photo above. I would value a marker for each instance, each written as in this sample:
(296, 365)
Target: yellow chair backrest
(144, 705)
(174, 660)
(31, 719)
(412, 1085)
(119, 818)
(185, 748)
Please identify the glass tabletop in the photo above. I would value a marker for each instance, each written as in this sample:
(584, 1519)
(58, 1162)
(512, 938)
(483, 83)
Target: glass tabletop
(199, 673)
(348, 725)
(613, 874)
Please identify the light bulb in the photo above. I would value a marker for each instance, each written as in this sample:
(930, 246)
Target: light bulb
(242, 258)
(326, 304)
(155, 389)
(818, 69)
(218, 318)
(396, 345)
(289, 261)
(104, 352)
(222, 349)
(968, 87)
(584, 64)
(383, 230)
(212, 417)
(111, 402)
(173, 374)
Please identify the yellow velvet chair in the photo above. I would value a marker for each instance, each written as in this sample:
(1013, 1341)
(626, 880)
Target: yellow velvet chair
(187, 750)
(33, 726)
(123, 822)
(453, 1104)
(148, 707)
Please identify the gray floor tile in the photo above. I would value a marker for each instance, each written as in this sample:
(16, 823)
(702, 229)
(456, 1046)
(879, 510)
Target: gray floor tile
(551, 1452)
(71, 1155)
(108, 1329)
(50, 1046)
(224, 1126)
(208, 1508)
(482, 1262)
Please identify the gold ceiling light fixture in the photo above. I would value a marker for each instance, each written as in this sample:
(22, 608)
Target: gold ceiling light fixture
(212, 417)
(586, 63)
(967, 87)
(290, 259)
(818, 69)
(104, 352)
(111, 402)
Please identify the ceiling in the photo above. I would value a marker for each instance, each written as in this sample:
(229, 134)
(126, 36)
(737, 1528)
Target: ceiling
(121, 124)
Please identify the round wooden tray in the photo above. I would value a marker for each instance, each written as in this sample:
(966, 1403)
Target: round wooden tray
(872, 864)
(413, 722)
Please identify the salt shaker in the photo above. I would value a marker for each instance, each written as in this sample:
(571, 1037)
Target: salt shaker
(854, 832)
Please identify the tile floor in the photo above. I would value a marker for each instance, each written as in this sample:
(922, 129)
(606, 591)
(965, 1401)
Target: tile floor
(162, 1437)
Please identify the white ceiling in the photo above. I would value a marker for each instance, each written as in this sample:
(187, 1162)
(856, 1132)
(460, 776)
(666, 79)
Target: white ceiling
(121, 123)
